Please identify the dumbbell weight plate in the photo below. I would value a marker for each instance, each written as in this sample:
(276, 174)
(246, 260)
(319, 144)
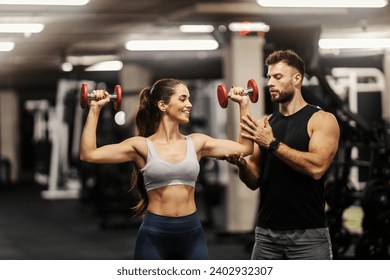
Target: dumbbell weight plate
(118, 101)
(83, 95)
(254, 96)
(222, 95)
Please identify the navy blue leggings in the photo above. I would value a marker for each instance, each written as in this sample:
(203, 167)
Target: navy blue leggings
(170, 238)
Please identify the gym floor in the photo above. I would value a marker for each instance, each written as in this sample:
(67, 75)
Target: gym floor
(32, 228)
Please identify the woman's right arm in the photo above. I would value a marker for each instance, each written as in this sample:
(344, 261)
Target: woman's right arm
(113, 153)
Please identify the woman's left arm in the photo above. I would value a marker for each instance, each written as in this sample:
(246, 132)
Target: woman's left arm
(219, 148)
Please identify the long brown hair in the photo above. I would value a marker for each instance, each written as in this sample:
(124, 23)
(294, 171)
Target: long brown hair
(147, 121)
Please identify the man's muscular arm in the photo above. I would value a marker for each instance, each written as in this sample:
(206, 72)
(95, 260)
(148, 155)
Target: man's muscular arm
(324, 134)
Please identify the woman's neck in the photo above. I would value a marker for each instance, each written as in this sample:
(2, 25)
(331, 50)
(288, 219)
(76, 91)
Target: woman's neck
(167, 132)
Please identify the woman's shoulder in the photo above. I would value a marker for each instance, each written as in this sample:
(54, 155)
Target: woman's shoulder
(137, 144)
(135, 141)
(200, 140)
(198, 136)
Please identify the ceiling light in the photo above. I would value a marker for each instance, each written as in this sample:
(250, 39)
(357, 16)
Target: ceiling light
(171, 45)
(248, 26)
(86, 60)
(45, 2)
(324, 4)
(196, 28)
(21, 27)
(6, 46)
(354, 43)
(113, 65)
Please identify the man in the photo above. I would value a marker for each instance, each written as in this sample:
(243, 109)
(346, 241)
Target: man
(295, 147)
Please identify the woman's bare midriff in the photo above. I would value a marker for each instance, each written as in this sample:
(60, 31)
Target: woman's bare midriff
(172, 201)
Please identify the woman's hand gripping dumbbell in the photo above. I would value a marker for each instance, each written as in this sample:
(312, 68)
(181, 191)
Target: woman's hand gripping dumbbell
(116, 97)
(223, 95)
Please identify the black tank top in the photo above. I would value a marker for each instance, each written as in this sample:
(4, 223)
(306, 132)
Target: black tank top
(289, 199)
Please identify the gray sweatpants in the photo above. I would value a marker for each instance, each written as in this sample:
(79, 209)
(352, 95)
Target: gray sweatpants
(300, 244)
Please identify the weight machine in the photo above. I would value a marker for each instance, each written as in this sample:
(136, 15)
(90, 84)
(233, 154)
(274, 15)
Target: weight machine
(63, 182)
(360, 174)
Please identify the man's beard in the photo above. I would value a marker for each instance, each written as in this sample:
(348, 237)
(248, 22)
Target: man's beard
(284, 96)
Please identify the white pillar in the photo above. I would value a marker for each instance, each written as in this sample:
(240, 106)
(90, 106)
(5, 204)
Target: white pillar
(386, 97)
(9, 131)
(133, 78)
(243, 61)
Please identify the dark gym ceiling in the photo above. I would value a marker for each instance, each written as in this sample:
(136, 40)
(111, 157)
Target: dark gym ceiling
(102, 27)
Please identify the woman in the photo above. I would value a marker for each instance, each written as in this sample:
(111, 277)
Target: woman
(169, 164)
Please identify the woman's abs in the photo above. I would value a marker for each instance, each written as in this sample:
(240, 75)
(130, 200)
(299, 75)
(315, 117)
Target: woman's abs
(173, 201)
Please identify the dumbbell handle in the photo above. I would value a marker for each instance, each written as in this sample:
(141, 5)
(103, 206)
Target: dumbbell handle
(111, 96)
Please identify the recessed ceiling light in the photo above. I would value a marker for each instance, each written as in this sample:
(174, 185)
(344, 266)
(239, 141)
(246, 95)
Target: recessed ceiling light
(86, 60)
(6, 46)
(324, 4)
(21, 27)
(171, 45)
(113, 65)
(354, 43)
(201, 28)
(45, 2)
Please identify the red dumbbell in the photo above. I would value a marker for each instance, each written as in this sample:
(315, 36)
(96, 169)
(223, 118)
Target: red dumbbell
(251, 90)
(85, 96)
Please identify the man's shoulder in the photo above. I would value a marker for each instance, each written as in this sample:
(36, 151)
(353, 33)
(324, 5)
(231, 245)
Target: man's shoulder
(323, 118)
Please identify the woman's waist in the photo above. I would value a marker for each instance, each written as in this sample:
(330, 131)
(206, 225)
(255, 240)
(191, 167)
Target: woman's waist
(172, 208)
(171, 224)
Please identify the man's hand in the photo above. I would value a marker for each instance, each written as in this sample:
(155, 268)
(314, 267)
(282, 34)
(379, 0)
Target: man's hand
(236, 159)
(258, 131)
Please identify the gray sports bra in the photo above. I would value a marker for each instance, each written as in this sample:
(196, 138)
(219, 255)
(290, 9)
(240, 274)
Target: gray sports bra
(158, 173)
